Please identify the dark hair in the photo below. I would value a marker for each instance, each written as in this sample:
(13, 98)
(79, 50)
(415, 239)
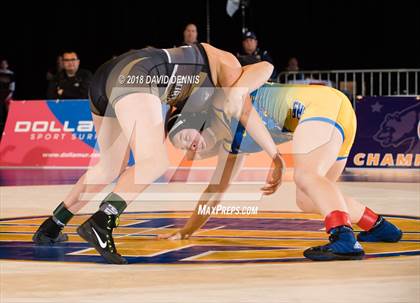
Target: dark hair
(178, 120)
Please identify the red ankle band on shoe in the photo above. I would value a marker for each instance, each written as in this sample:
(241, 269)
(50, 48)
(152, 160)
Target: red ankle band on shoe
(337, 218)
(368, 219)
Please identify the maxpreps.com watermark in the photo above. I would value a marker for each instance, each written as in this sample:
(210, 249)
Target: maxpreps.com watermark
(227, 210)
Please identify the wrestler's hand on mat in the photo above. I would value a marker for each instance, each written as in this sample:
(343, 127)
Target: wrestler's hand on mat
(274, 181)
(178, 235)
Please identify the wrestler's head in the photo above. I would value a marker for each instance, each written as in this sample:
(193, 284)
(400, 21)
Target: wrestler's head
(185, 130)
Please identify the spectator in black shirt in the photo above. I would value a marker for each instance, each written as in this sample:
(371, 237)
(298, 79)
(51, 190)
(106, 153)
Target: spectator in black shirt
(7, 81)
(7, 87)
(293, 68)
(251, 54)
(292, 65)
(71, 82)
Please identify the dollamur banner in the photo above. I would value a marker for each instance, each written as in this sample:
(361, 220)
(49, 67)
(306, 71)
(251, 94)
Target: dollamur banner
(48, 133)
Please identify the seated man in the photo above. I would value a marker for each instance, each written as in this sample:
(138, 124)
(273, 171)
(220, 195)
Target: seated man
(72, 82)
(251, 54)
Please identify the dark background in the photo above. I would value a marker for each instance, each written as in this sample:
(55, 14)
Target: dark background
(321, 34)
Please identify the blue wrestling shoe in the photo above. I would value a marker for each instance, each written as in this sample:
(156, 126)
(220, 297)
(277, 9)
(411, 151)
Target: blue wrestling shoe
(383, 231)
(343, 246)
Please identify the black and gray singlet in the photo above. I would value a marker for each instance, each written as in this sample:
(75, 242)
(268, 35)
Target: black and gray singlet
(174, 75)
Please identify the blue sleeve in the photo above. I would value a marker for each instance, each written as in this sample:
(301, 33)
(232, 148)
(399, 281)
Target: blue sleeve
(237, 139)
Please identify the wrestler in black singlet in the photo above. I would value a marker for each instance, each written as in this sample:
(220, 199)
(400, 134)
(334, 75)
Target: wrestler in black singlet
(174, 75)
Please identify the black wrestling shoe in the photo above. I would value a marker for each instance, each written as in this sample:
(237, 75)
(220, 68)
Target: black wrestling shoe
(97, 230)
(342, 246)
(49, 233)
